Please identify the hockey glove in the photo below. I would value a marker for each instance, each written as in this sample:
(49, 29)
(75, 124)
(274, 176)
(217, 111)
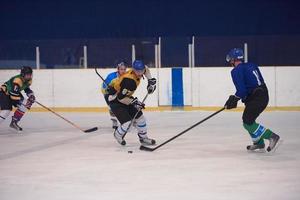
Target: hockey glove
(136, 103)
(232, 102)
(151, 85)
(110, 90)
(31, 98)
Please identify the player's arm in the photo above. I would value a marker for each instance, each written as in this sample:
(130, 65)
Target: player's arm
(151, 81)
(27, 90)
(30, 94)
(107, 85)
(127, 87)
(239, 83)
(241, 92)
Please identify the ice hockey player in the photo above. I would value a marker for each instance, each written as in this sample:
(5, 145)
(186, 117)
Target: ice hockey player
(10, 95)
(109, 83)
(125, 106)
(252, 90)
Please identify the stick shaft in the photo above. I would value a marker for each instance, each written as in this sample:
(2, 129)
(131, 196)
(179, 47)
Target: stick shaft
(59, 116)
(101, 77)
(186, 130)
(131, 122)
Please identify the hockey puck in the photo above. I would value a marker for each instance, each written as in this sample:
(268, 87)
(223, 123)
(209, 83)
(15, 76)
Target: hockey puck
(130, 151)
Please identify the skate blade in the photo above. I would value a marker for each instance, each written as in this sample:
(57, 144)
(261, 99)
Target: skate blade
(15, 130)
(257, 151)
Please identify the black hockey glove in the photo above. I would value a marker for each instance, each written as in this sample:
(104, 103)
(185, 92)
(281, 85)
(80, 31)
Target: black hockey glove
(111, 90)
(232, 102)
(136, 103)
(151, 85)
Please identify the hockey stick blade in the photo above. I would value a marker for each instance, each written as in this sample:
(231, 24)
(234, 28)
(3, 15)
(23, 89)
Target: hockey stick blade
(143, 148)
(91, 130)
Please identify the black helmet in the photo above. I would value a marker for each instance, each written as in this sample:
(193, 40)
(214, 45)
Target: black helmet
(26, 70)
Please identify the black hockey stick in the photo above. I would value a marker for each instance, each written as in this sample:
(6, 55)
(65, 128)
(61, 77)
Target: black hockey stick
(131, 122)
(101, 77)
(86, 131)
(144, 148)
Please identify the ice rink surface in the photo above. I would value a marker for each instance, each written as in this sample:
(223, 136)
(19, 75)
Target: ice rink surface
(51, 160)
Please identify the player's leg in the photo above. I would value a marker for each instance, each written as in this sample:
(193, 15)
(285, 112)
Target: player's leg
(140, 124)
(5, 106)
(3, 115)
(254, 107)
(113, 118)
(22, 107)
(122, 114)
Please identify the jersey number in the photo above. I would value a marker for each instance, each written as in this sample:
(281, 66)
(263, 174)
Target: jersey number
(257, 77)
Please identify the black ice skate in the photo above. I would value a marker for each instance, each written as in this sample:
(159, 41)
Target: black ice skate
(147, 141)
(260, 148)
(14, 125)
(119, 138)
(273, 142)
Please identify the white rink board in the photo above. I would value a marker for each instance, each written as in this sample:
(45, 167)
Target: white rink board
(205, 86)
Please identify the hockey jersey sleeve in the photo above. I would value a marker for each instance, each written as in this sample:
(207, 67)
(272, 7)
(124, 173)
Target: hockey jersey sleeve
(128, 86)
(148, 73)
(15, 92)
(239, 82)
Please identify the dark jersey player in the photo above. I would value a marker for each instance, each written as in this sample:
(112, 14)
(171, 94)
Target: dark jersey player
(11, 96)
(252, 90)
(125, 106)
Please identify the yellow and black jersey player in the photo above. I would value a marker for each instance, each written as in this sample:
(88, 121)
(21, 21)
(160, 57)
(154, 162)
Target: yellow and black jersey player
(125, 106)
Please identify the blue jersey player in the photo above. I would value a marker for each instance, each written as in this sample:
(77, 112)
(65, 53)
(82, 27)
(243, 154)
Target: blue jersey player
(109, 83)
(252, 90)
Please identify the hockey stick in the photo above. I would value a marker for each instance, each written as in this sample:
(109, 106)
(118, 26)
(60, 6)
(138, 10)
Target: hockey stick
(101, 77)
(86, 131)
(129, 126)
(144, 148)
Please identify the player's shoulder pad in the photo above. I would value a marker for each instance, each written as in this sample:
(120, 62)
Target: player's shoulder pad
(18, 81)
(111, 76)
(129, 84)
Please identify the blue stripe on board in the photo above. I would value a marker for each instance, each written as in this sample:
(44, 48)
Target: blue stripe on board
(177, 87)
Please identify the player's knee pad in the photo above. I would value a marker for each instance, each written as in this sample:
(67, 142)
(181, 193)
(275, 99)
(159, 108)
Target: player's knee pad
(4, 114)
(22, 106)
(122, 129)
(141, 125)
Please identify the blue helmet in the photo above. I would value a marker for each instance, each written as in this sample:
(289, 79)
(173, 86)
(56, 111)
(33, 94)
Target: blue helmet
(138, 65)
(235, 54)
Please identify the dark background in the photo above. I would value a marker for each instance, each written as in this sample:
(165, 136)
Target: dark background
(270, 27)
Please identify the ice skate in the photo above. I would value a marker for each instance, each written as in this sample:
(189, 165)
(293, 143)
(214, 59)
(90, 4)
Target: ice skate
(273, 142)
(119, 138)
(14, 125)
(259, 148)
(147, 141)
